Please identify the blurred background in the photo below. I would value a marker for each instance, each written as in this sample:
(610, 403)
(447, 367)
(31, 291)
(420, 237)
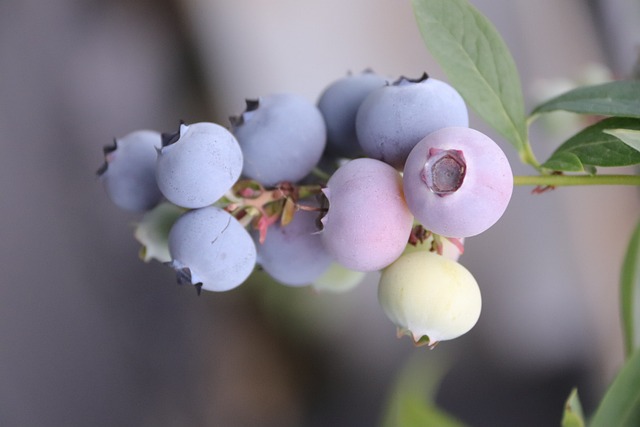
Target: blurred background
(90, 335)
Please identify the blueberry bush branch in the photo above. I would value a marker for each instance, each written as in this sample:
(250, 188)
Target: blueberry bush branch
(574, 180)
(381, 176)
(477, 61)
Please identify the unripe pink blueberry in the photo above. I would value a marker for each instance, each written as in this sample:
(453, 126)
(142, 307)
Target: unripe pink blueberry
(368, 223)
(457, 182)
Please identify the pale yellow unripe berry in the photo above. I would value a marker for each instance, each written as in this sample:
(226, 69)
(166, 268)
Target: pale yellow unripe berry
(429, 297)
(337, 279)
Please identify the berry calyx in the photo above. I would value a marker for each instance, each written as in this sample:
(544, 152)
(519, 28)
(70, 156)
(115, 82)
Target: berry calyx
(444, 171)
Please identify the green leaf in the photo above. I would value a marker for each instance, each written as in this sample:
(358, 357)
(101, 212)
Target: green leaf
(620, 406)
(477, 62)
(595, 147)
(573, 416)
(413, 411)
(564, 161)
(411, 403)
(628, 136)
(630, 293)
(620, 98)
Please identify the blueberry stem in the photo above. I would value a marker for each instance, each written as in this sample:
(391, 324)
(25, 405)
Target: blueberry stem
(527, 157)
(571, 180)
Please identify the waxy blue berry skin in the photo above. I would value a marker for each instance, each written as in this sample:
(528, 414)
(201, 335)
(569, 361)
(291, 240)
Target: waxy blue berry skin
(282, 137)
(293, 254)
(339, 104)
(209, 247)
(394, 118)
(129, 171)
(200, 166)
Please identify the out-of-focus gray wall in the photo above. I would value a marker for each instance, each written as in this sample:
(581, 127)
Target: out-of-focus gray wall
(89, 335)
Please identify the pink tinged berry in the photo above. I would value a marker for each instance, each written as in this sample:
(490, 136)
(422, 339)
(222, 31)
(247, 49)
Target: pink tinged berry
(457, 182)
(429, 297)
(368, 222)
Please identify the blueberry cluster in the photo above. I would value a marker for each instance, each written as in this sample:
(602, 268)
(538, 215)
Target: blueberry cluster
(377, 176)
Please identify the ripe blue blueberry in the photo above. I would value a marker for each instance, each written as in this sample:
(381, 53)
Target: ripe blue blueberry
(339, 104)
(198, 165)
(282, 137)
(293, 254)
(129, 171)
(211, 249)
(392, 119)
